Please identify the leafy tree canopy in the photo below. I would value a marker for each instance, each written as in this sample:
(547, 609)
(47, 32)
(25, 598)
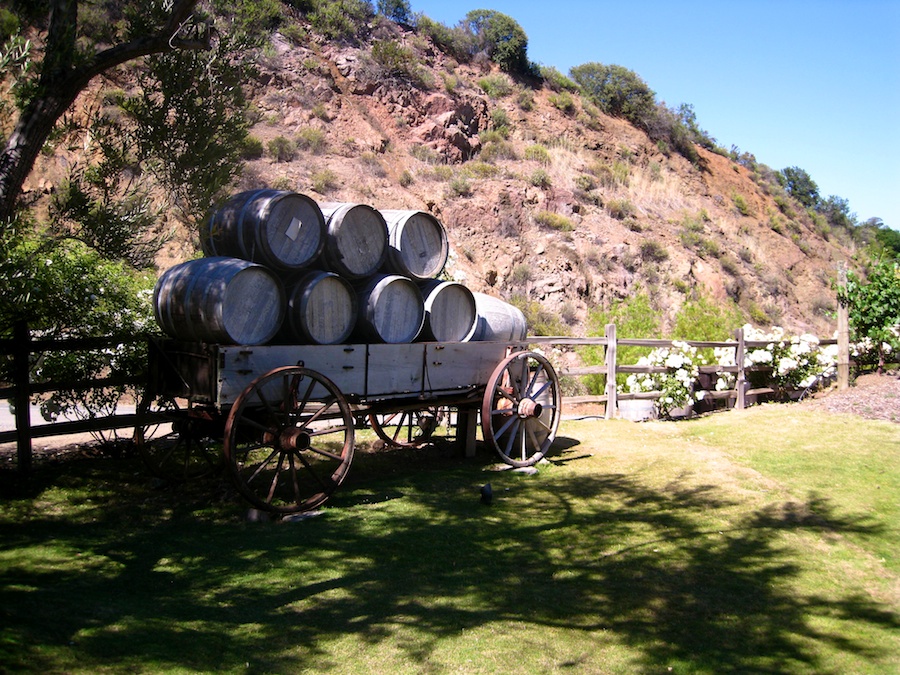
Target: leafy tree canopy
(873, 305)
(617, 91)
(799, 185)
(501, 37)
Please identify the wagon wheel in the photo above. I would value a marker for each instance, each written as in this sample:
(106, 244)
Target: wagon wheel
(173, 444)
(407, 428)
(289, 440)
(521, 408)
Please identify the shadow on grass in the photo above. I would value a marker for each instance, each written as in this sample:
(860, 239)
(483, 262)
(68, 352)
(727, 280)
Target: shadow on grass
(131, 575)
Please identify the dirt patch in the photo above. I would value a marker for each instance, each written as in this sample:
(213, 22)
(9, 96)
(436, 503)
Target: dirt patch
(875, 397)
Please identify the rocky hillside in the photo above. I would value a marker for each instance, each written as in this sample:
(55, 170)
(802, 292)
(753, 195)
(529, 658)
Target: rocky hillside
(544, 198)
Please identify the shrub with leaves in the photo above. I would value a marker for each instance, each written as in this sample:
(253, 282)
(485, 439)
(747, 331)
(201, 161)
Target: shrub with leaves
(64, 289)
(873, 307)
(676, 384)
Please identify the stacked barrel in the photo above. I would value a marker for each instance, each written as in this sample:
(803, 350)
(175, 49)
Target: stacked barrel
(281, 268)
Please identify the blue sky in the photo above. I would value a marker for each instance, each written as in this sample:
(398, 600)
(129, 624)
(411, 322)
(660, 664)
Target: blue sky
(807, 83)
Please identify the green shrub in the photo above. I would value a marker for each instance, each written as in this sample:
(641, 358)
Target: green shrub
(282, 149)
(540, 178)
(556, 80)
(425, 154)
(460, 186)
(451, 82)
(496, 86)
(653, 251)
(498, 149)
(340, 20)
(399, 61)
(501, 37)
(252, 147)
(634, 318)
(282, 183)
(323, 180)
(554, 220)
(540, 320)
(480, 170)
(620, 208)
(525, 100)
(537, 153)
(500, 121)
(312, 139)
(740, 203)
(758, 315)
(563, 101)
(520, 274)
(585, 182)
(406, 178)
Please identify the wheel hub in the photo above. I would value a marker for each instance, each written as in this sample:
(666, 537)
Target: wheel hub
(529, 408)
(294, 439)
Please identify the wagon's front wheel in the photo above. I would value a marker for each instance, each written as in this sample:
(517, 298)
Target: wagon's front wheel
(175, 444)
(521, 408)
(289, 440)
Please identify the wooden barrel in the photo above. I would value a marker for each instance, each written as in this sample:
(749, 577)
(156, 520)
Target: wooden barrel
(219, 299)
(277, 228)
(321, 309)
(450, 314)
(356, 240)
(498, 321)
(391, 309)
(418, 245)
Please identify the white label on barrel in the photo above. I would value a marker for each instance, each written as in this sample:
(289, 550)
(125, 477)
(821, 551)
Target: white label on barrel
(293, 229)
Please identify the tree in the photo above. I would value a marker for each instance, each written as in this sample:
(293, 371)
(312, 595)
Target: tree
(68, 67)
(873, 307)
(502, 38)
(837, 212)
(77, 273)
(799, 185)
(617, 91)
(397, 11)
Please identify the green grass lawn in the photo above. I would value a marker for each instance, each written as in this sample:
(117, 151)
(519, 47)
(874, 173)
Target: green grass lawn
(761, 541)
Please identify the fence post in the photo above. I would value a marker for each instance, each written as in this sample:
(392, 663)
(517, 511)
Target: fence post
(843, 361)
(611, 403)
(741, 382)
(21, 380)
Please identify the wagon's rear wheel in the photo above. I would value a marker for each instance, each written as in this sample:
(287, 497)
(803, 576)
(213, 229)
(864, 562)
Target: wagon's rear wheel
(408, 428)
(174, 444)
(289, 440)
(521, 408)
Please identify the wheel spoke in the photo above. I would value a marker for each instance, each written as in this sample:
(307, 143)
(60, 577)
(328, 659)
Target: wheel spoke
(506, 425)
(262, 465)
(512, 437)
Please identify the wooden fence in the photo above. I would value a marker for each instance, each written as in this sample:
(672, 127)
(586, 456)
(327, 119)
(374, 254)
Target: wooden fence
(22, 347)
(740, 393)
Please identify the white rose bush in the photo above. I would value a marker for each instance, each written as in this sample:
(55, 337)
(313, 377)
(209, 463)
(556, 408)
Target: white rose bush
(785, 363)
(676, 384)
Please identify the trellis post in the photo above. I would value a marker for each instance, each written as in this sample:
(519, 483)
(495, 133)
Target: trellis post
(611, 402)
(740, 384)
(843, 361)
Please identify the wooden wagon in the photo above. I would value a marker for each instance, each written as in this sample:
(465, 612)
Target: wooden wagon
(285, 415)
